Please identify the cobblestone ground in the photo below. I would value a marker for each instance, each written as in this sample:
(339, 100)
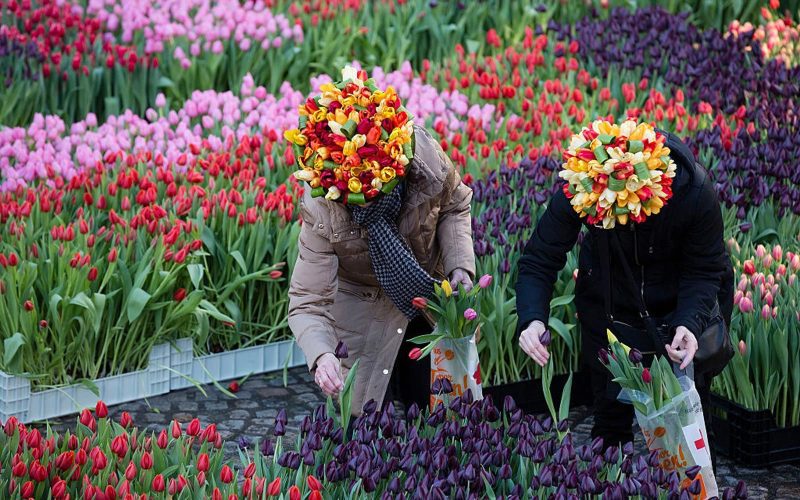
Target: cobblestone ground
(251, 415)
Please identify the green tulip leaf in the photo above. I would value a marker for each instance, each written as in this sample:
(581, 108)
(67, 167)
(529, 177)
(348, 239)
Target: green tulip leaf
(137, 301)
(195, 274)
(12, 357)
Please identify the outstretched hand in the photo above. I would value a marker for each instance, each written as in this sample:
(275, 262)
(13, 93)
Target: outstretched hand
(530, 342)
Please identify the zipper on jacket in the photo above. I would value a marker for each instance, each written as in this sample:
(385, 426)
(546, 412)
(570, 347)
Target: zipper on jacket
(638, 262)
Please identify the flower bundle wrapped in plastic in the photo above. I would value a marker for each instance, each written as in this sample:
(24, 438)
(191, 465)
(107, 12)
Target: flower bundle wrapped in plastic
(354, 141)
(617, 172)
(668, 411)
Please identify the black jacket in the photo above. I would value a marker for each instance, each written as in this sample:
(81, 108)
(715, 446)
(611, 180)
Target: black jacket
(678, 258)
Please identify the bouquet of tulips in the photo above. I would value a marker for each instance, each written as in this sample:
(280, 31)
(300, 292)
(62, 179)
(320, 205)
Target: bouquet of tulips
(668, 411)
(453, 342)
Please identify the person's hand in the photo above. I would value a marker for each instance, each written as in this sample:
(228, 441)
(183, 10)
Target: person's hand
(460, 276)
(530, 341)
(328, 375)
(683, 348)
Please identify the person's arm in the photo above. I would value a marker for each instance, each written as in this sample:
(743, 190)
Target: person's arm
(312, 291)
(454, 229)
(702, 263)
(544, 256)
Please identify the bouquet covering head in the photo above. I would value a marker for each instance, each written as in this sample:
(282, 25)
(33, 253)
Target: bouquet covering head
(616, 173)
(354, 141)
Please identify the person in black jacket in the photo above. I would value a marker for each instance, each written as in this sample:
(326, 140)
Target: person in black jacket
(680, 267)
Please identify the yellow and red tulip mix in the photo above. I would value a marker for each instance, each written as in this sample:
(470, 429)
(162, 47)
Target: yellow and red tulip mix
(355, 140)
(617, 173)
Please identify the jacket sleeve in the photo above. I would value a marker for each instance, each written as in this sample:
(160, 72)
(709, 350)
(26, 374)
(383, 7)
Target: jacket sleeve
(312, 291)
(544, 256)
(454, 229)
(702, 265)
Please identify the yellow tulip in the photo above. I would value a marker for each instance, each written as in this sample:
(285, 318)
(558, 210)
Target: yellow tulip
(349, 148)
(354, 185)
(387, 174)
(612, 339)
(341, 117)
(319, 115)
(625, 348)
(448, 290)
(295, 137)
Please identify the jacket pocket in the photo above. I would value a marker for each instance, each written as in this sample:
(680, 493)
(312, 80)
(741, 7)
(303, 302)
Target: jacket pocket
(348, 239)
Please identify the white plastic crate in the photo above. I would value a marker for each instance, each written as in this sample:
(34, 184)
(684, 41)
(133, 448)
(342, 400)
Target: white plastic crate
(17, 399)
(231, 364)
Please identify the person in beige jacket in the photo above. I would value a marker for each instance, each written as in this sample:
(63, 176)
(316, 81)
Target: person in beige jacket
(336, 296)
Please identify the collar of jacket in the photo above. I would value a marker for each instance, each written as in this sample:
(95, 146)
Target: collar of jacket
(428, 170)
(688, 171)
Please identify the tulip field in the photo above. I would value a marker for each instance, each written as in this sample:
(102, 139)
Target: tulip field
(146, 196)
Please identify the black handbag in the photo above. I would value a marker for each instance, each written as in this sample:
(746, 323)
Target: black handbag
(714, 347)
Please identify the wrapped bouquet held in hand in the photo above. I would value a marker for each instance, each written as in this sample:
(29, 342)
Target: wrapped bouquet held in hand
(453, 342)
(669, 412)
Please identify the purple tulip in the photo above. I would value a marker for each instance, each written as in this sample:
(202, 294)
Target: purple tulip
(741, 490)
(635, 356)
(370, 407)
(341, 350)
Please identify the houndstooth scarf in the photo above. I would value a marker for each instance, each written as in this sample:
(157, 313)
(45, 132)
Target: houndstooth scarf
(397, 269)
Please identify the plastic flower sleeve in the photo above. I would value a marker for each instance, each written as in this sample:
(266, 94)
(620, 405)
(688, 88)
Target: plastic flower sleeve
(677, 431)
(456, 359)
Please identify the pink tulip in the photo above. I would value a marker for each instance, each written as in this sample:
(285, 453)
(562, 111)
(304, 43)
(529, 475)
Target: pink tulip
(781, 270)
(768, 299)
(761, 251)
(777, 252)
(737, 297)
(470, 314)
(742, 347)
(767, 261)
(766, 312)
(746, 305)
(485, 281)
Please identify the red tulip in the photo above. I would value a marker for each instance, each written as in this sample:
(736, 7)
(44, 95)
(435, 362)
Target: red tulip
(59, 489)
(19, 469)
(646, 377)
(201, 478)
(275, 274)
(158, 483)
(247, 487)
(125, 420)
(274, 487)
(119, 446)
(92, 274)
(226, 474)
(37, 472)
(28, 305)
(43, 323)
(146, 461)
(294, 493)
(87, 419)
(176, 429)
(101, 410)
(162, 439)
(202, 462)
(420, 302)
(415, 353)
(27, 490)
(13, 260)
(130, 472)
(233, 387)
(250, 470)
(216, 495)
(313, 483)
(112, 255)
(749, 267)
(193, 429)
(315, 495)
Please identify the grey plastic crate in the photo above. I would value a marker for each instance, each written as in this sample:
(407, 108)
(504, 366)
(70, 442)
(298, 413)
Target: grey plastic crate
(17, 399)
(231, 364)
